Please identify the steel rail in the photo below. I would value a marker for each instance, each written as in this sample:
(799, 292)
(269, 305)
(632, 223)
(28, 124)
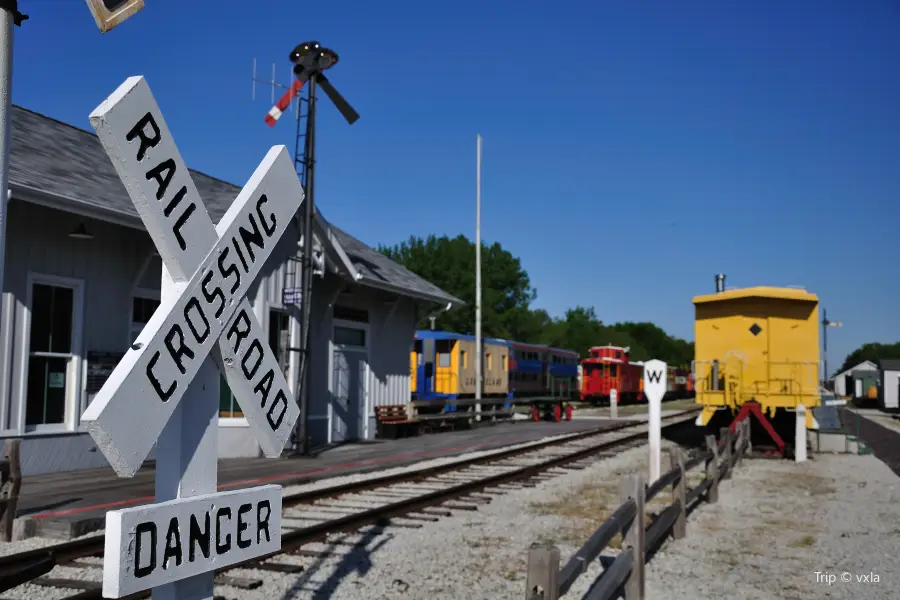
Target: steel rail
(12, 566)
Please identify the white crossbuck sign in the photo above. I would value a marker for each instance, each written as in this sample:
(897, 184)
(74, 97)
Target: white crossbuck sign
(212, 267)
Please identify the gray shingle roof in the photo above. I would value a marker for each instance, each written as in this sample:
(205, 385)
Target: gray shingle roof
(53, 158)
(889, 364)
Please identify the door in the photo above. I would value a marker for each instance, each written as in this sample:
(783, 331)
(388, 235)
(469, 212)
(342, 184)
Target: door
(755, 346)
(348, 393)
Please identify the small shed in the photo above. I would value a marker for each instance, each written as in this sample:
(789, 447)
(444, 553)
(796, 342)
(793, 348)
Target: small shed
(848, 383)
(890, 383)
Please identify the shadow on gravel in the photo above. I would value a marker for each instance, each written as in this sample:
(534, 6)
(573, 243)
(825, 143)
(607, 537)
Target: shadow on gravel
(358, 559)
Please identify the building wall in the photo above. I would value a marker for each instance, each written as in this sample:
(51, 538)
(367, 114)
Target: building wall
(890, 390)
(118, 264)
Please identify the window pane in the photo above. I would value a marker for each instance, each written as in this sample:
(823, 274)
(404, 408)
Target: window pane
(278, 326)
(46, 400)
(228, 405)
(346, 336)
(143, 309)
(443, 359)
(51, 318)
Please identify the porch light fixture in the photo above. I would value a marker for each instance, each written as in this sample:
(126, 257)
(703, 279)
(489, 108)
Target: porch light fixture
(80, 233)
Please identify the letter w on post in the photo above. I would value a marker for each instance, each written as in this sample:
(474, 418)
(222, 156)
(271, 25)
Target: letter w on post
(134, 134)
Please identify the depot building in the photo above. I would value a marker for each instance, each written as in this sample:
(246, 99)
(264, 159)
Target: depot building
(82, 278)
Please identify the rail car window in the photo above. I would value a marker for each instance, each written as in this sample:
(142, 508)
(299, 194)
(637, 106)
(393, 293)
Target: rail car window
(442, 349)
(464, 359)
(505, 363)
(490, 363)
(612, 370)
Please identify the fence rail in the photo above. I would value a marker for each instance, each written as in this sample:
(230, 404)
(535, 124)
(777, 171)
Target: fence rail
(625, 576)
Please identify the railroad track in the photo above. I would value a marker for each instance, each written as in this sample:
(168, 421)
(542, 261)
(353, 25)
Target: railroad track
(407, 499)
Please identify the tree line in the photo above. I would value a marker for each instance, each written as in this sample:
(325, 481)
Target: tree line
(507, 297)
(871, 351)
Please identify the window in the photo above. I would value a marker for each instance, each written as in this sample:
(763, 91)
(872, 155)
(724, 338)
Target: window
(142, 308)
(279, 332)
(505, 363)
(349, 336)
(228, 404)
(50, 354)
(490, 363)
(464, 357)
(612, 370)
(345, 313)
(443, 359)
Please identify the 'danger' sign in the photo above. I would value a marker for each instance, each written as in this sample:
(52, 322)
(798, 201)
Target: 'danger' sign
(170, 541)
(216, 263)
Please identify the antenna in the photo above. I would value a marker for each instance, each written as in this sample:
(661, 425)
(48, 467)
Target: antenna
(310, 60)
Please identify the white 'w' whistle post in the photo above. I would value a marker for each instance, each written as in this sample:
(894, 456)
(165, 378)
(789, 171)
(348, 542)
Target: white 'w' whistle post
(655, 380)
(165, 390)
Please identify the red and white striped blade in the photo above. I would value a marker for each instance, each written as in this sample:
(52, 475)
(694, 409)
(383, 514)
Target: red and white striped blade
(276, 111)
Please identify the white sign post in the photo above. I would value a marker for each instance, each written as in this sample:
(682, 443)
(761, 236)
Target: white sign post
(654, 389)
(165, 390)
(613, 404)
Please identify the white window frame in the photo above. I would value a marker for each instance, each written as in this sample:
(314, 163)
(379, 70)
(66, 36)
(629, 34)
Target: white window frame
(75, 393)
(366, 408)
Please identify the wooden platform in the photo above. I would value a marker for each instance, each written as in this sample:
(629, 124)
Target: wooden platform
(64, 505)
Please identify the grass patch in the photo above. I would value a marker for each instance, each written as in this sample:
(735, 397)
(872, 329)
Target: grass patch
(804, 542)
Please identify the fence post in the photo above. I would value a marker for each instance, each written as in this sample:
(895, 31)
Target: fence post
(632, 486)
(9, 490)
(676, 461)
(725, 436)
(712, 470)
(542, 580)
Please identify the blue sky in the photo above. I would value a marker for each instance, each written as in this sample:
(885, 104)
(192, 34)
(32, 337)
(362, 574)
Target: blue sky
(631, 149)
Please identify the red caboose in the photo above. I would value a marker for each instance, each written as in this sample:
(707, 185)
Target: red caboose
(608, 368)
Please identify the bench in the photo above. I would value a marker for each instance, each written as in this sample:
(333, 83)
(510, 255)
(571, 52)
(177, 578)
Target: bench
(392, 420)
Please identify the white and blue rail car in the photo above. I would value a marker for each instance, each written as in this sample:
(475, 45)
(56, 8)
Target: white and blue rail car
(442, 374)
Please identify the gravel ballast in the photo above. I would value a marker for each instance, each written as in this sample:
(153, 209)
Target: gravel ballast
(775, 525)
(789, 531)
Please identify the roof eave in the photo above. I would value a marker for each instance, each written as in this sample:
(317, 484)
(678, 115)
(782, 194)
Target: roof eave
(402, 291)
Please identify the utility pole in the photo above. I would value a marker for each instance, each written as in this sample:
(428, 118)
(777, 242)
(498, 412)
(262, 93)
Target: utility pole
(479, 349)
(825, 325)
(9, 16)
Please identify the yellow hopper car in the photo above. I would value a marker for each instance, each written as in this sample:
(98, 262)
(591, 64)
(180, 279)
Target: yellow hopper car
(757, 352)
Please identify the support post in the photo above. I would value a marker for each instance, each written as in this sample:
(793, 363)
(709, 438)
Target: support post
(800, 434)
(632, 486)
(9, 16)
(712, 470)
(187, 456)
(12, 485)
(614, 404)
(679, 495)
(727, 443)
(479, 346)
(543, 572)
(749, 429)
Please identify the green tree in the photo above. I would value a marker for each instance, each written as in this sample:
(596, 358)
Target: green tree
(872, 351)
(450, 265)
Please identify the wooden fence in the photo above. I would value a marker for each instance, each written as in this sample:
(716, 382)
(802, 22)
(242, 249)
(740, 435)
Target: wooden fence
(625, 576)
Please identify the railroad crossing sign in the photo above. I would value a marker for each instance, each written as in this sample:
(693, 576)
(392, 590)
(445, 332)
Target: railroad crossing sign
(204, 322)
(655, 380)
(209, 313)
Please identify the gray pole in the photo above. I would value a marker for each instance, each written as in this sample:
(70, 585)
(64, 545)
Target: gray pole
(9, 16)
(309, 213)
(479, 350)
